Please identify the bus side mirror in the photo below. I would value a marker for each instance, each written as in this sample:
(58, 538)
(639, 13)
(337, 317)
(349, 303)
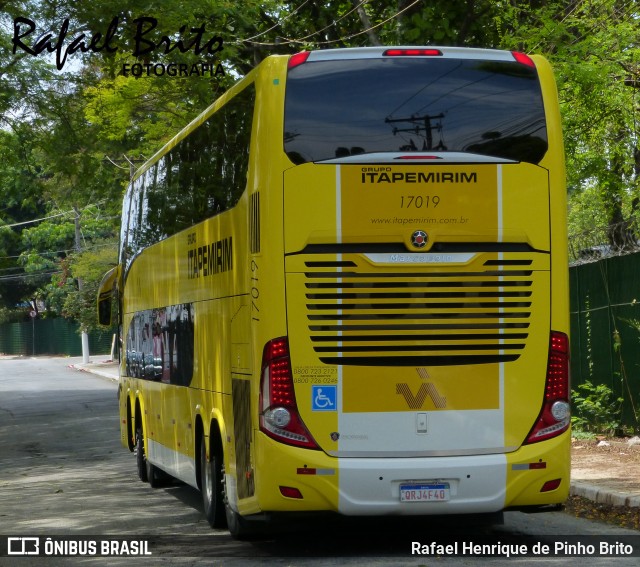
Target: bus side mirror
(106, 293)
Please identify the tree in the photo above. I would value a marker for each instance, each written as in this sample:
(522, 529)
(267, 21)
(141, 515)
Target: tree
(595, 47)
(89, 267)
(62, 131)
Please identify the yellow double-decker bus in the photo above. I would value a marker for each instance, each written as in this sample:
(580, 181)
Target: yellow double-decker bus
(343, 287)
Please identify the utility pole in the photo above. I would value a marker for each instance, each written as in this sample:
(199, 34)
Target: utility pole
(421, 123)
(78, 240)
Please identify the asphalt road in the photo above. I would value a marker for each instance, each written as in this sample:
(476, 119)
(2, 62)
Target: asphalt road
(64, 473)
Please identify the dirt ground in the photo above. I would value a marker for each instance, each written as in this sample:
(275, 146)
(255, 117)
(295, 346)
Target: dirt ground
(612, 464)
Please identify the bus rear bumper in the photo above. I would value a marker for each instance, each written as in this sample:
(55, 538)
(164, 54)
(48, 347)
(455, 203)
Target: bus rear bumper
(371, 486)
(470, 485)
(534, 476)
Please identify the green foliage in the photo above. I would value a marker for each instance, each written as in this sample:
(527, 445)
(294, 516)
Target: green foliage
(587, 209)
(580, 434)
(80, 286)
(633, 323)
(594, 47)
(15, 315)
(56, 128)
(595, 409)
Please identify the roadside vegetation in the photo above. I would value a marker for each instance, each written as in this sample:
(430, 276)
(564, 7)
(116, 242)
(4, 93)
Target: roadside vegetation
(595, 411)
(72, 134)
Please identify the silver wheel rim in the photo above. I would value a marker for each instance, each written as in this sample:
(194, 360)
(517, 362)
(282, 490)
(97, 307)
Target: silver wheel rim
(208, 484)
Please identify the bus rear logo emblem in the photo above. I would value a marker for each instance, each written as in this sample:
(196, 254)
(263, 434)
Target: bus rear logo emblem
(419, 239)
(426, 390)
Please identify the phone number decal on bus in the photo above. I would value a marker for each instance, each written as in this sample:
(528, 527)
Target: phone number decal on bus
(315, 375)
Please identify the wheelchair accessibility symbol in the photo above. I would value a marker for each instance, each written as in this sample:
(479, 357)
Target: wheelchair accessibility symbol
(324, 398)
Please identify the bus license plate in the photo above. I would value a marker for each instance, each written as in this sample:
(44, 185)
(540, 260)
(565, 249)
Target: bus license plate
(424, 492)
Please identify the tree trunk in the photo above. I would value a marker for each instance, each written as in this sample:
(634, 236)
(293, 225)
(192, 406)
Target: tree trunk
(366, 23)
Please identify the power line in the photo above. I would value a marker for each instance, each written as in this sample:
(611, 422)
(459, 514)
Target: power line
(64, 213)
(277, 24)
(328, 42)
(26, 276)
(54, 252)
(624, 14)
(371, 28)
(35, 220)
(334, 22)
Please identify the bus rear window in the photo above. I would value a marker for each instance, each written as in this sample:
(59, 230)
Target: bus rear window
(342, 108)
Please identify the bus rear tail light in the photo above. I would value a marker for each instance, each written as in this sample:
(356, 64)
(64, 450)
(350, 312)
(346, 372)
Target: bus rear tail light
(298, 59)
(555, 416)
(412, 53)
(523, 58)
(419, 157)
(279, 417)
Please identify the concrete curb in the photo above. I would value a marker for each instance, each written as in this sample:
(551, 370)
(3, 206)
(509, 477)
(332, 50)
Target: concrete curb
(603, 495)
(104, 368)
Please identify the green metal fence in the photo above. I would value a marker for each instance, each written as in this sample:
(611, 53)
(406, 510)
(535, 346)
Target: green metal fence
(50, 336)
(605, 323)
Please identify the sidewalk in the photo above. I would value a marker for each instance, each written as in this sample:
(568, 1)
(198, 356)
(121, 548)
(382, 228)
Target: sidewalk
(102, 365)
(608, 475)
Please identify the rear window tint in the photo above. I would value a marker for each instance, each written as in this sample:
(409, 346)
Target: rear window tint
(349, 107)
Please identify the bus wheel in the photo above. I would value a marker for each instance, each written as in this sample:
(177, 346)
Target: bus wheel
(141, 460)
(237, 525)
(211, 486)
(154, 475)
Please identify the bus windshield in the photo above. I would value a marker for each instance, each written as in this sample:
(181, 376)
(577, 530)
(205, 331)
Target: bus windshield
(348, 107)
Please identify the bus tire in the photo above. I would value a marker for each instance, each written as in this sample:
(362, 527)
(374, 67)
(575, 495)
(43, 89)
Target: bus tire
(238, 526)
(154, 475)
(141, 460)
(211, 486)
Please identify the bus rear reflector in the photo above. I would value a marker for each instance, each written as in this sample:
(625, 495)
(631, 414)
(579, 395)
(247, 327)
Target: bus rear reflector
(290, 492)
(523, 58)
(555, 415)
(279, 417)
(412, 53)
(551, 485)
(298, 59)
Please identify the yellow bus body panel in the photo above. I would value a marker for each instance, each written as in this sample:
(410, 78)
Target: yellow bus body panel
(476, 413)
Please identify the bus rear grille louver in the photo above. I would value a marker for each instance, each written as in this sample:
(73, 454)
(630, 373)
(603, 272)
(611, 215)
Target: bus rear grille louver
(418, 319)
